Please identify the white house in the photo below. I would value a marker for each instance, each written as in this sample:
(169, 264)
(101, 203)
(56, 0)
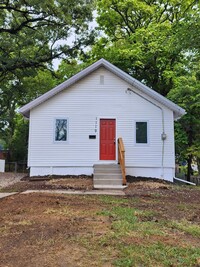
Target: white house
(76, 125)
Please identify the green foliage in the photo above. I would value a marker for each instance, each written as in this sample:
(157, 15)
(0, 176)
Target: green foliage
(13, 129)
(19, 143)
(68, 69)
(30, 31)
(143, 37)
(186, 93)
(32, 34)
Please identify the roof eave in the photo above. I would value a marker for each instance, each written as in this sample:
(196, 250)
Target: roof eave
(178, 111)
(25, 110)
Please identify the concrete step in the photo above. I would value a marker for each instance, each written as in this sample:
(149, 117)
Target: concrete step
(108, 176)
(110, 187)
(107, 171)
(107, 182)
(106, 166)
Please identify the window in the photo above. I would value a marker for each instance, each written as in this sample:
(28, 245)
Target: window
(141, 132)
(61, 126)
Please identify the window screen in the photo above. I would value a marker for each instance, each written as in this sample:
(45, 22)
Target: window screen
(141, 132)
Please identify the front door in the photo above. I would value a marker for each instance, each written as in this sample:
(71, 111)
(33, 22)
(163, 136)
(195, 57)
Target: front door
(107, 139)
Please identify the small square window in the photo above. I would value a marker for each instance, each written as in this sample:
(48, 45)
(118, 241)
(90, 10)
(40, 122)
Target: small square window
(141, 132)
(61, 133)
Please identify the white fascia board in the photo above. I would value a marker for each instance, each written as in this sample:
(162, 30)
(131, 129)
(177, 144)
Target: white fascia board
(178, 111)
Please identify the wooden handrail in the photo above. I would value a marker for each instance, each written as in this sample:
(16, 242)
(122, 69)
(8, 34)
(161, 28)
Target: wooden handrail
(121, 158)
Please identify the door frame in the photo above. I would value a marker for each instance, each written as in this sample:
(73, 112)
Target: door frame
(116, 137)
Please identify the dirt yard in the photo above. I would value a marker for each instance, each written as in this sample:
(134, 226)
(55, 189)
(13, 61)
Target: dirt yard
(156, 224)
(10, 178)
(58, 182)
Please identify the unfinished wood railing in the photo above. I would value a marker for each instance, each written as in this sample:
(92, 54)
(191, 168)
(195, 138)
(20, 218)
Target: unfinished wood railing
(121, 158)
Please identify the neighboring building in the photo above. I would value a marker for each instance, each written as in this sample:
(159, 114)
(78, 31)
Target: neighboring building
(76, 125)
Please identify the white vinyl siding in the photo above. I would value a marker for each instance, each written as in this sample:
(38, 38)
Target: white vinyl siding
(84, 104)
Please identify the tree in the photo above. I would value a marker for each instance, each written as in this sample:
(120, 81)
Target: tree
(32, 34)
(186, 93)
(19, 143)
(16, 93)
(30, 31)
(67, 69)
(145, 37)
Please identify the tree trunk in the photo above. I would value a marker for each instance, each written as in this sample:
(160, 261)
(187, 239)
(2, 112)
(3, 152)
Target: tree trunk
(189, 162)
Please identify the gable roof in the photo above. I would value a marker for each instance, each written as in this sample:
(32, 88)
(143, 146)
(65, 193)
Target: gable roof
(178, 111)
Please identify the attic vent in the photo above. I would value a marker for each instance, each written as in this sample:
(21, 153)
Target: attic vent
(101, 79)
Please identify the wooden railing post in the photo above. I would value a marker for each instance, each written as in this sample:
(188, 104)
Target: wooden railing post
(121, 159)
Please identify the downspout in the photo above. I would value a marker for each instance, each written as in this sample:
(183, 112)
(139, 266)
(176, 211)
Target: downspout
(163, 135)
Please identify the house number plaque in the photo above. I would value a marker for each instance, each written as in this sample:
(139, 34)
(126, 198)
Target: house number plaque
(96, 124)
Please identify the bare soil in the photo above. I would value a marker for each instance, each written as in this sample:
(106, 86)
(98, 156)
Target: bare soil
(81, 182)
(53, 230)
(10, 178)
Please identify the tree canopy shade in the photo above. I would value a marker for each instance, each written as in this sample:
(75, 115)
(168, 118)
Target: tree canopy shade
(30, 31)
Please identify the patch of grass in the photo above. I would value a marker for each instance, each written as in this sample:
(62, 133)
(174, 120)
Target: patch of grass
(112, 200)
(124, 262)
(125, 221)
(128, 223)
(187, 227)
(120, 213)
(123, 218)
(157, 255)
(147, 229)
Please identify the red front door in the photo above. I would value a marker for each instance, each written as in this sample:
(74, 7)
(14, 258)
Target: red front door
(107, 139)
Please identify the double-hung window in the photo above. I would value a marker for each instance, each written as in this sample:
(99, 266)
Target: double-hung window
(141, 132)
(61, 130)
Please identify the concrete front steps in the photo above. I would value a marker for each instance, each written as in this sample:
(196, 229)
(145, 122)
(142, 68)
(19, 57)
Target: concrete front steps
(107, 176)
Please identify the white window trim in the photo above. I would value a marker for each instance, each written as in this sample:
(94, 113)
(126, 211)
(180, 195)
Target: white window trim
(54, 130)
(148, 134)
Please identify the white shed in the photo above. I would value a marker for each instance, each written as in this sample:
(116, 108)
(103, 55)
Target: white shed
(76, 125)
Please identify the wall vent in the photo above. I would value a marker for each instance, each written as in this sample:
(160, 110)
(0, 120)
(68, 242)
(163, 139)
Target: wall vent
(101, 79)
